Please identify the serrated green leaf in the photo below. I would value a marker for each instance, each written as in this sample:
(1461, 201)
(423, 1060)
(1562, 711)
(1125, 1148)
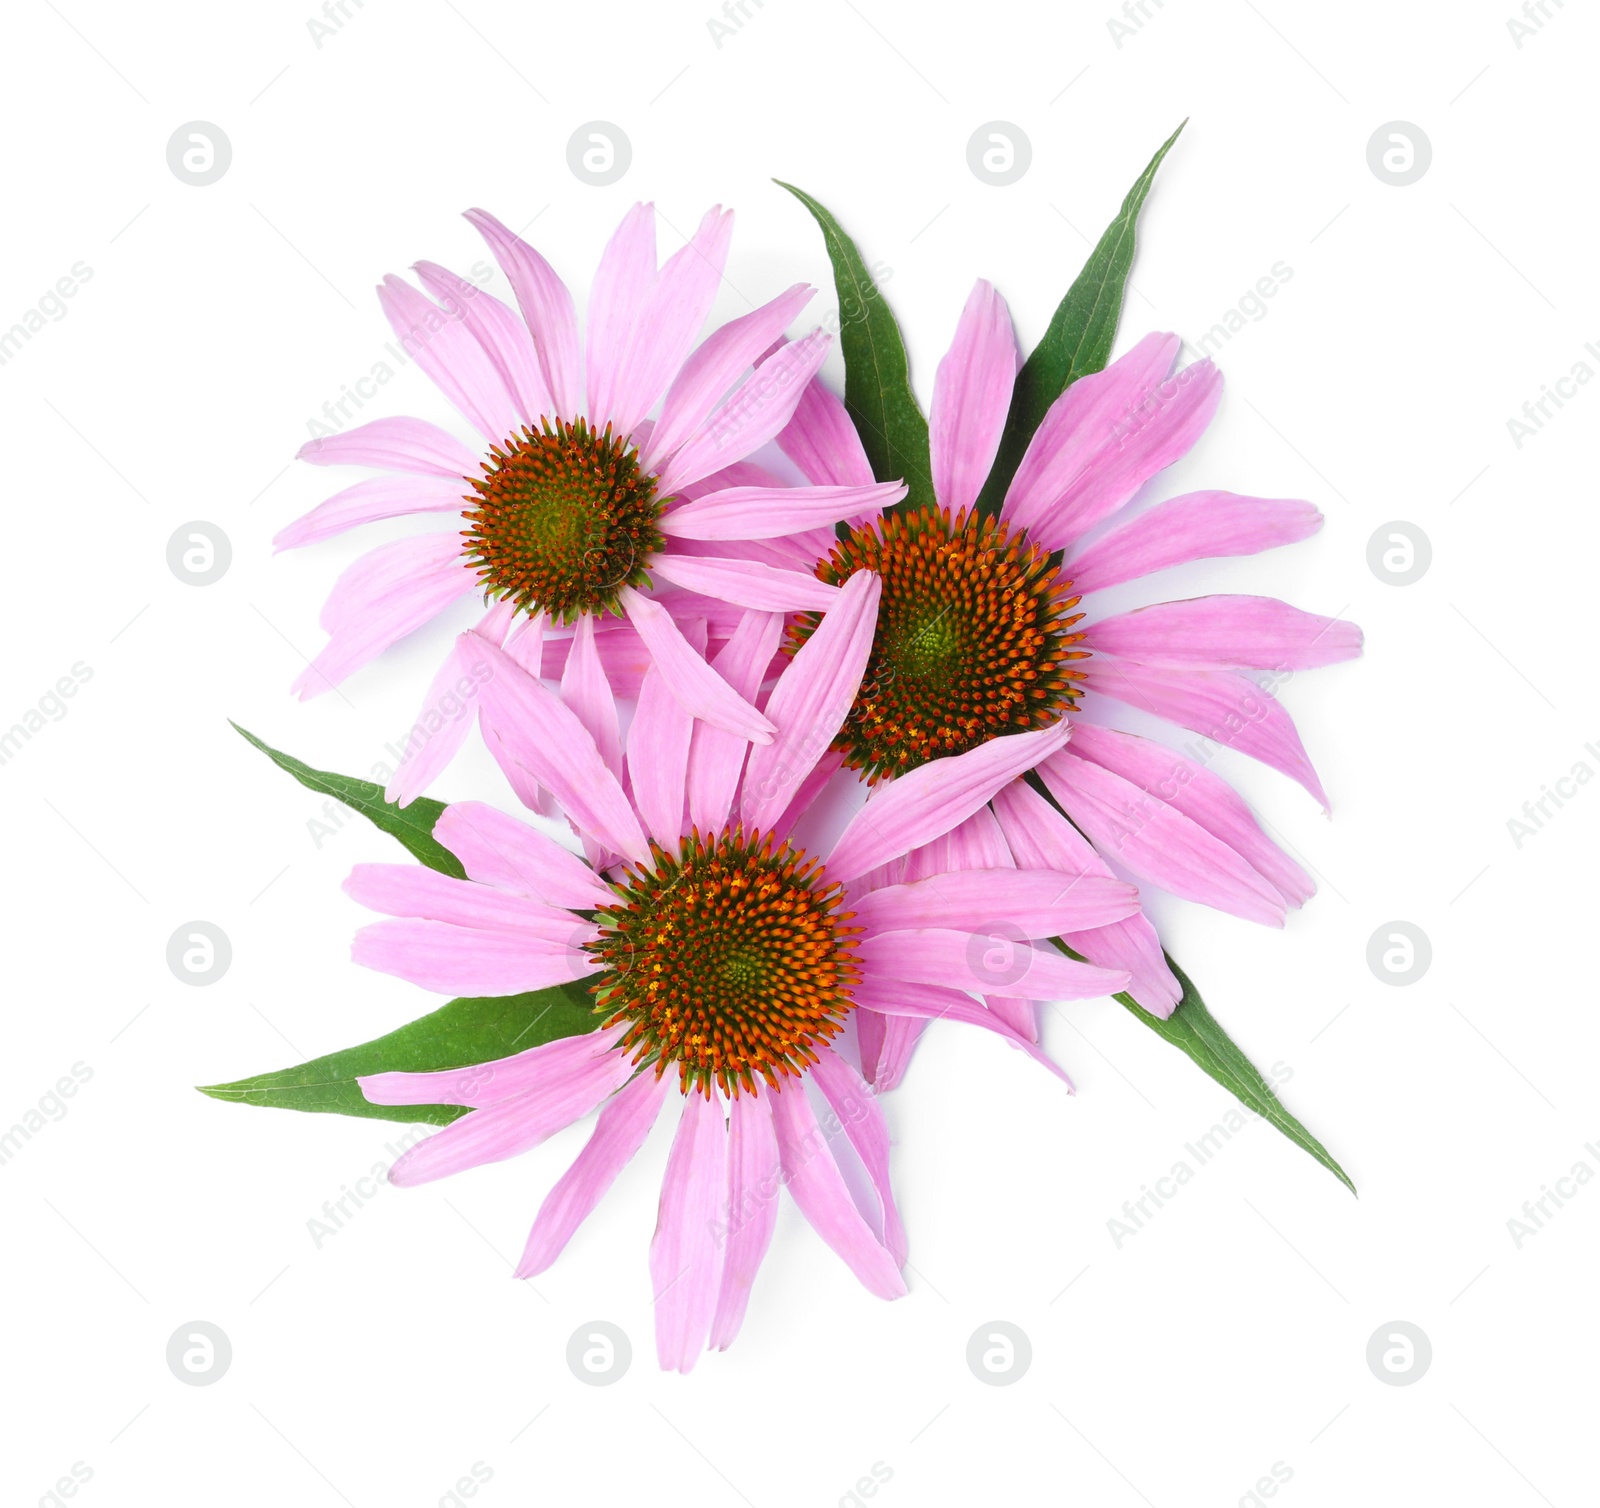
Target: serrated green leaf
(411, 825)
(463, 1033)
(1079, 338)
(1193, 1030)
(877, 381)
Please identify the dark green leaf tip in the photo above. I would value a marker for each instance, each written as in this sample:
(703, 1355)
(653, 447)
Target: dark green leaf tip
(1080, 336)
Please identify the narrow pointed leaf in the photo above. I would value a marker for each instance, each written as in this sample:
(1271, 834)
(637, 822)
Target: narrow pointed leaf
(1079, 338)
(1195, 1032)
(411, 825)
(1192, 1029)
(877, 381)
(458, 1035)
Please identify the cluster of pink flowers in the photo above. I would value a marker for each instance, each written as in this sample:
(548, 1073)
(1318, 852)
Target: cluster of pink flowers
(706, 625)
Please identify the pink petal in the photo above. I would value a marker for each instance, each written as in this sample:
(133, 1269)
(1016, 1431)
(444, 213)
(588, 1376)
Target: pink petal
(616, 310)
(1022, 1016)
(548, 1069)
(902, 999)
(677, 305)
(385, 595)
(366, 502)
(624, 1123)
(971, 398)
(695, 684)
(823, 443)
(923, 803)
(869, 1041)
(658, 760)
(526, 788)
(740, 473)
(392, 571)
(451, 960)
(976, 843)
(810, 791)
(788, 552)
(685, 1256)
(721, 360)
(394, 445)
(508, 1127)
(895, 872)
(496, 622)
(745, 473)
(719, 616)
(819, 1190)
(1258, 633)
(1228, 709)
(1197, 526)
(859, 1112)
(440, 343)
(900, 1037)
(751, 417)
(747, 583)
(546, 305)
(446, 717)
(1201, 796)
(771, 512)
(754, 1178)
(415, 891)
(965, 960)
(584, 688)
(497, 849)
(1087, 418)
(811, 700)
(621, 650)
(1041, 838)
(544, 736)
(1028, 902)
(716, 757)
(1162, 430)
(503, 336)
(1156, 840)
(525, 643)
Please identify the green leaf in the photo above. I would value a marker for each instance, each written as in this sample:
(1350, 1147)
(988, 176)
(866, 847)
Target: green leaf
(1192, 1029)
(459, 1035)
(412, 825)
(877, 382)
(1079, 339)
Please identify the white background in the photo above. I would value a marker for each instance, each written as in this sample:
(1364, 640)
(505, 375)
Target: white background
(1228, 1335)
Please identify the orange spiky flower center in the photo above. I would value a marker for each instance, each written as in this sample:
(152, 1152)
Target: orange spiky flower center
(562, 520)
(729, 959)
(974, 638)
